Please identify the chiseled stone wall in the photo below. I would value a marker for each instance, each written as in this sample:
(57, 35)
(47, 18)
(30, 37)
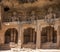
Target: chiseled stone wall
(40, 24)
(3, 30)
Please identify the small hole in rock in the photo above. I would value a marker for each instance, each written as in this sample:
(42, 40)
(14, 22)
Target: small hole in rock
(6, 9)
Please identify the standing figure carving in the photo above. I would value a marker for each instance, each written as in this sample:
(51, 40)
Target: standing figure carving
(50, 17)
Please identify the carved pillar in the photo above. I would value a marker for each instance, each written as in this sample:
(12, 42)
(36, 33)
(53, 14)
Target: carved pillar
(48, 35)
(33, 36)
(22, 35)
(58, 37)
(12, 35)
(51, 33)
(19, 35)
(38, 40)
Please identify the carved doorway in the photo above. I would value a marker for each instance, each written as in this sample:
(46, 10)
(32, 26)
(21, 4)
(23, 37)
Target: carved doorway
(48, 37)
(29, 38)
(11, 35)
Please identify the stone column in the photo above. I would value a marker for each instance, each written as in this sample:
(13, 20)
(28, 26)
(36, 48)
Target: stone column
(48, 34)
(19, 35)
(52, 31)
(22, 35)
(38, 40)
(33, 36)
(12, 37)
(58, 37)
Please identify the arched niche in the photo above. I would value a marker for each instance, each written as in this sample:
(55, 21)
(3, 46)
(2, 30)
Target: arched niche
(11, 35)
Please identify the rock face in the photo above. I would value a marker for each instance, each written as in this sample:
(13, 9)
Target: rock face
(16, 3)
(24, 8)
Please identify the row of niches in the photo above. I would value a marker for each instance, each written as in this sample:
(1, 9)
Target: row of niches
(29, 13)
(21, 17)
